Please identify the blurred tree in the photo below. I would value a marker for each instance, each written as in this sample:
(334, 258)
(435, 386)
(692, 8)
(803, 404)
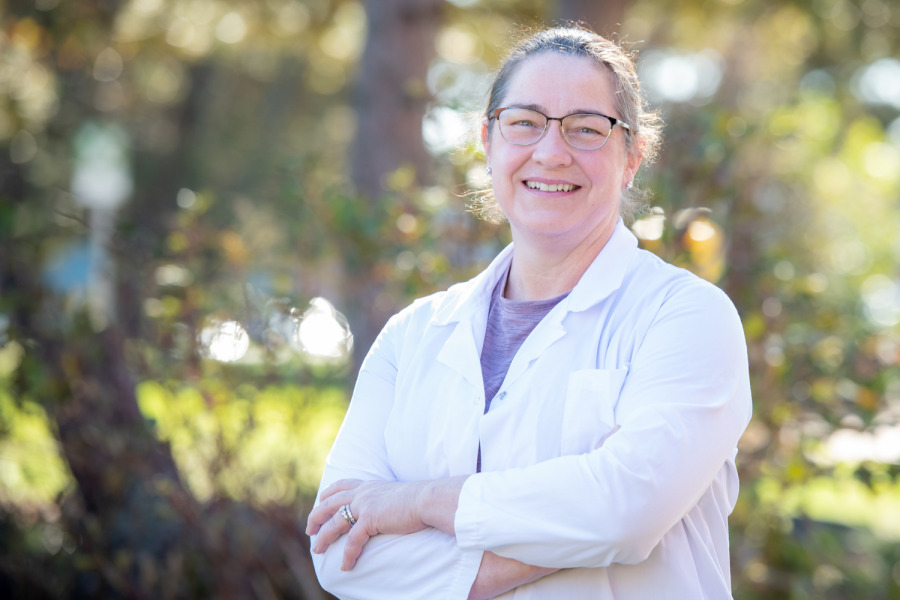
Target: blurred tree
(134, 530)
(391, 95)
(387, 154)
(243, 131)
(604, 17)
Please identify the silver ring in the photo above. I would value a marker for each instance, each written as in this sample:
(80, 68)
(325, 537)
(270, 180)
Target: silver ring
(348, 516)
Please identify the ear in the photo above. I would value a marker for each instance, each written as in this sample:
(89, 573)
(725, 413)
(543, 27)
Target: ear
(631, 166)
(485, 138)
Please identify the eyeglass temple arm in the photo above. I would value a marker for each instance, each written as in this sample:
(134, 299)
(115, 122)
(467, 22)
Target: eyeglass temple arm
(621, 124)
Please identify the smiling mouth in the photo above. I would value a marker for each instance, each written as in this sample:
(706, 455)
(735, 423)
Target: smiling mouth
(552, 187)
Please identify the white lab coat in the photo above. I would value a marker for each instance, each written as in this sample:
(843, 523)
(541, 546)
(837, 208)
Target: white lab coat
(608, 451)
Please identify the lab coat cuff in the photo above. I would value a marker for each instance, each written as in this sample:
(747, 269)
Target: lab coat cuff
(466, 523)
(465, 573)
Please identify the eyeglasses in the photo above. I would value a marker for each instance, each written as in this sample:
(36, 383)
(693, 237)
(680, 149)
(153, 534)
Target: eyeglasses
(524, 126)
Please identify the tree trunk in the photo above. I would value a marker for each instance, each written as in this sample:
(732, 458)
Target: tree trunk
(390, 98)
(603, 16)
(391, 94)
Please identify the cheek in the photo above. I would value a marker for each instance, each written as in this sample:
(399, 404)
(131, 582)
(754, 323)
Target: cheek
(507, 159)
(607, 173)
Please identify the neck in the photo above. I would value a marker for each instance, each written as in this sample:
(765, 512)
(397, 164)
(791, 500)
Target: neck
(544, 271)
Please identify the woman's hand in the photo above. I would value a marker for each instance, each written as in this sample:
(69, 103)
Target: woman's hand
(377, 506)
(381, 507)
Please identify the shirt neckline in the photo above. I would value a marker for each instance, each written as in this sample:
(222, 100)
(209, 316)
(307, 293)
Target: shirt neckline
(521, 306)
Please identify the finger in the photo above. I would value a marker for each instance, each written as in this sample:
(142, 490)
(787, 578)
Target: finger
(330, 532)
(324, 511)
(357, 538)
(341, 485)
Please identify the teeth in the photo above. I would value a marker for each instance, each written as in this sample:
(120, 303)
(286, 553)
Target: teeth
(551, 187)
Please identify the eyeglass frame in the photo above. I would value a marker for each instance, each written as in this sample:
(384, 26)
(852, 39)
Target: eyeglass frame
(495, 114)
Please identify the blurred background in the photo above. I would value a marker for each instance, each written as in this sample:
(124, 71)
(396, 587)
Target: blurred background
(208, 208)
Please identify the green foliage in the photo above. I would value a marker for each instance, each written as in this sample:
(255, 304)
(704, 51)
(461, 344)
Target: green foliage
(32, 472)
(261, 445)
(781, 185)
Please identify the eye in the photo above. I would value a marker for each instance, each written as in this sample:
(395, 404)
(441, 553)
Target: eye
(522, 119)
(587, 127)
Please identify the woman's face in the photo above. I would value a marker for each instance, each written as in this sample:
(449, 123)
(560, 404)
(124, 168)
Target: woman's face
(586, 209)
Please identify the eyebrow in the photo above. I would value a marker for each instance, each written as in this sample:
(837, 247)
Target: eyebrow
(577, 111)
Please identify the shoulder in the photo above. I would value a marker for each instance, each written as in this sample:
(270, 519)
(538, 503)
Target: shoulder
(433, 308)
(409, 323)
(652, 275)
(688, 328)
(420, 311)
(458, 302)
(671, 299)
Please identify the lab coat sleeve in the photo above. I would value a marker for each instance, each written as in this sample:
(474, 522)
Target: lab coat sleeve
(683, 406)
(425, 564)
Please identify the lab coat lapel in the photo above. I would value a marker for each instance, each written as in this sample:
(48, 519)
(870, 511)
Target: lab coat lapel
(601, 280)
(466, 311)
(605, 275)
(461, 351)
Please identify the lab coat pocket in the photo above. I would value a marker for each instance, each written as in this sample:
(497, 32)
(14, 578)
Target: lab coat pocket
(589, 415)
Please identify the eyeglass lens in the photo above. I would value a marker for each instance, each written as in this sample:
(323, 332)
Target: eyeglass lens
(522, 126)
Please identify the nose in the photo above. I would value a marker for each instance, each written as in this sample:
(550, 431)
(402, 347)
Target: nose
(553, 150)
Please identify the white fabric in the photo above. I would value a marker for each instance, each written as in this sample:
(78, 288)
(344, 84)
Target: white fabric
(608, 451)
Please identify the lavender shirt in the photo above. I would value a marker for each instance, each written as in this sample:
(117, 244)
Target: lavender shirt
(509, 323)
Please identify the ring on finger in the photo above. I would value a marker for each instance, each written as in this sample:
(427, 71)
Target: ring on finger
(348, 516)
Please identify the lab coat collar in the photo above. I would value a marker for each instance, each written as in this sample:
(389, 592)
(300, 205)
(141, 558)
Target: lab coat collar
(602, 278)
(606, 273)
(467, 305)
(464, 299)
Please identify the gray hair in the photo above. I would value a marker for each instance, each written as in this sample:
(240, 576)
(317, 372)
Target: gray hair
(646, 126)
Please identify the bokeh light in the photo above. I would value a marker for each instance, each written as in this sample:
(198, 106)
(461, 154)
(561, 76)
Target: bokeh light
(224, 341)
(672, 76)
(650, 227)
(444, 129)
(879, 82)
(323, 333)
(881, 300)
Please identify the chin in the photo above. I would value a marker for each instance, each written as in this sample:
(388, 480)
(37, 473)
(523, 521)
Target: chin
(549, 225)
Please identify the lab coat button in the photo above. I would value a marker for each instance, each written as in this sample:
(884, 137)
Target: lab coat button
(501, 395)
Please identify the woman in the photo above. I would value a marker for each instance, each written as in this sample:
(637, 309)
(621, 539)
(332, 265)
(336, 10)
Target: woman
(565, 424)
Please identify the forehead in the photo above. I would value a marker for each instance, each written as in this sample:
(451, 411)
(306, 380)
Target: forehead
(561, 82)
